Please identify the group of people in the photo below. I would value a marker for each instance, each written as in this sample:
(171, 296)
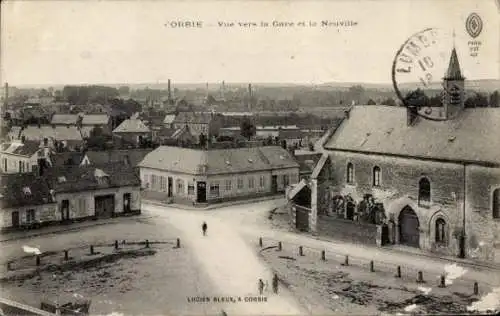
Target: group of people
(261, 284)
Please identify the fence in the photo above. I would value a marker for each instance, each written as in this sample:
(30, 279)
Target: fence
(392, 270)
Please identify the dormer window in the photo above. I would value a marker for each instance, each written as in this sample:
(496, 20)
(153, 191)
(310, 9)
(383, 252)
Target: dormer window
(27, 191)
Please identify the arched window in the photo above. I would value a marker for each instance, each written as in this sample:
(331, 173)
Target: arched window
(350, 173)
(424, 192)
(376, 176)
(496, 204)
(440, 231)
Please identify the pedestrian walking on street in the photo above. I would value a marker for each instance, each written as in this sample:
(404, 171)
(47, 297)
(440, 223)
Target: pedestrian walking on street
(204, 228)
(275, 283)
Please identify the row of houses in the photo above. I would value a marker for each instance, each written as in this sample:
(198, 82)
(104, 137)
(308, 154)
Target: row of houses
(68, 194)
(389, 176)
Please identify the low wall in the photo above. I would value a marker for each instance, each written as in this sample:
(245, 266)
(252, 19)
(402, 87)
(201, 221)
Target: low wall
(347, 230)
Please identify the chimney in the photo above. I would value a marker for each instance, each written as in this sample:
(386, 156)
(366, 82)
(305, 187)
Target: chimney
(411, 115)
(169, 93)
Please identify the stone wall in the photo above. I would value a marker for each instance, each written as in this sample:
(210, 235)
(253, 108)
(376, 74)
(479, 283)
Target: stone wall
(347, 230)
(450, 183)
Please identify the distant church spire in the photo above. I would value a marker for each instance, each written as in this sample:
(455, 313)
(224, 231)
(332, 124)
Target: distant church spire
(453, 72)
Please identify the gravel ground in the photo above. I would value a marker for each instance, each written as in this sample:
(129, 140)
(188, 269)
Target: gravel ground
(150, 285)
(356, 290)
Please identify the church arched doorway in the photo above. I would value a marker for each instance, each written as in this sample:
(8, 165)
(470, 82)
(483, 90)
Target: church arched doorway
(409, 234)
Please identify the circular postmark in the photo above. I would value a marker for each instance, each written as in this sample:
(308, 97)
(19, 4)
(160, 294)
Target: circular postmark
(474, 25)
(418, 70)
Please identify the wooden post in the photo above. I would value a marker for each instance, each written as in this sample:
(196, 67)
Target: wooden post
(116, 244)
(66, 255)
(398, 272)
(91, 249)
(442, 282)
(280, 246)
(178, 242)
(346, 261)
(301, 251)
(37, 260)
(147, 243)
(260, 242)
(420, 277)
(372, 268)
(323, 255)
(476, 288)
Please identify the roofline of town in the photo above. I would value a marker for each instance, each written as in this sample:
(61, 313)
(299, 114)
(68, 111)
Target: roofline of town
(218, 173)
(95, 189)
(442, 160)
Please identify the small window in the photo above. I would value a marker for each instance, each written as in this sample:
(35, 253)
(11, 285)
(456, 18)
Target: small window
(30, 216)
(229, 186)
(424, 192)
(180, 186)
(350, 173)
(262, 181)
(240, 183)
(496, 204)
(440, 231)
(251, 182)
(27, 191)
(214, 188)
(286, 180)
(190, 188)
(20, 166)
(376, 176)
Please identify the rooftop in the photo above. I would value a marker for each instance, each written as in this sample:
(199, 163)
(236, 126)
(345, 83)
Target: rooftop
(470, 137)
(219, 161)
(132, 126)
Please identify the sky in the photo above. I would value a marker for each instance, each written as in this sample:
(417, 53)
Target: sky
(85, 42)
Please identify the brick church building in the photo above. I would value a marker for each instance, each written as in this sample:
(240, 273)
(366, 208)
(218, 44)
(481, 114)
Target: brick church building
(391, 175)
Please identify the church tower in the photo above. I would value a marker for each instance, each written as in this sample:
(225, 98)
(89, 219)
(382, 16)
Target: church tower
(454, 88)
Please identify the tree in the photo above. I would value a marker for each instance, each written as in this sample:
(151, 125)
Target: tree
(478, 100)
(371, 102)
(247, 129)
(416, 98)
(389, 101)
(494, 100)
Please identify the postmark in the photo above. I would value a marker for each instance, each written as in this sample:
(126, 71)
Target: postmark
(474, 27)
(420, 64)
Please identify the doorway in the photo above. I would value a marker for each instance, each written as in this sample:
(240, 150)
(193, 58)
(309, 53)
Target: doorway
(126, 202)
(409, 234)
(274, 184)
(65, 210)
(15, 219)
(104, 206)
(169, 186)
(201, 196)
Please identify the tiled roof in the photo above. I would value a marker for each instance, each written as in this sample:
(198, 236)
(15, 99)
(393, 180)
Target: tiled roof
(95, 119)
(307, 162)
(169, 118)
(166, 132)
(76, 178)
(64, 119)
(28, 148)
(131, 156)
(289, 133)
(193, 118)
(132, 126)
(218, 161)
(471, 137)
(23, 189)
(60, 133)
(67, 158)
(14, 132)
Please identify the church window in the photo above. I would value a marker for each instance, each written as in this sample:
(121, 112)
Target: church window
(424, 192)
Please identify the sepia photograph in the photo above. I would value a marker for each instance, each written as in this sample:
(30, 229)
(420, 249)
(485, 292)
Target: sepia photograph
(249, 157)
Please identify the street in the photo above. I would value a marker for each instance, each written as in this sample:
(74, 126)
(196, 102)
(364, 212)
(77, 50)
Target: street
(222, 264)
